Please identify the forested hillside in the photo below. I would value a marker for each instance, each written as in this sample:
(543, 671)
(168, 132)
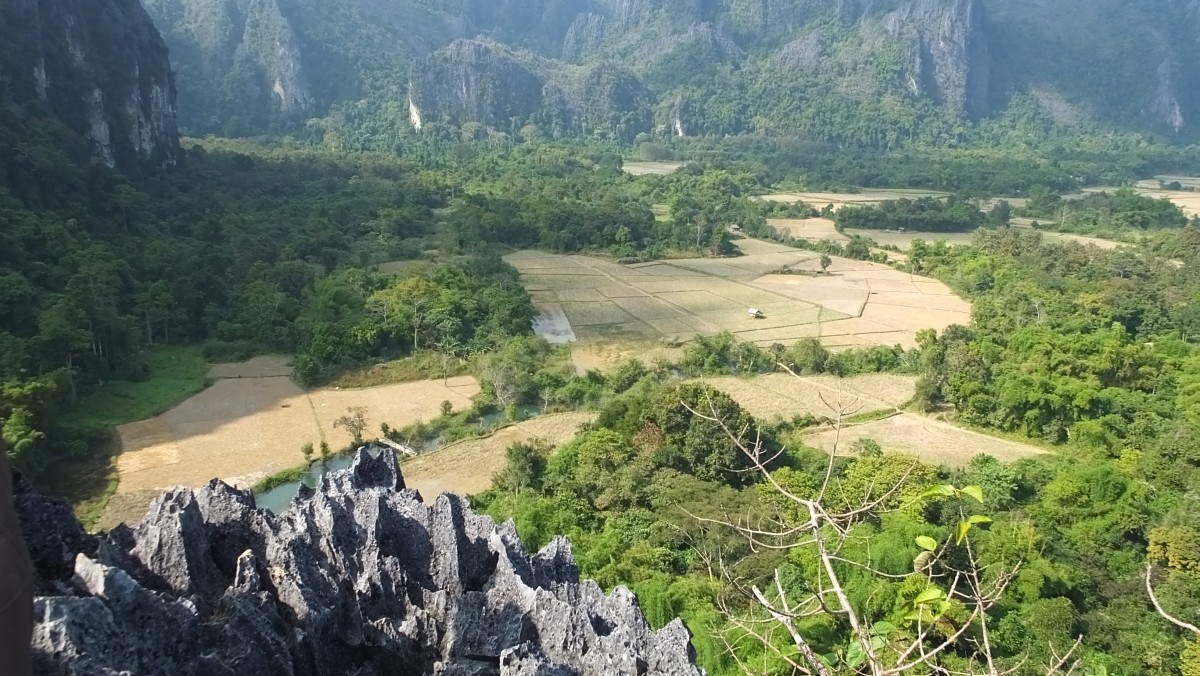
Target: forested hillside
(884, 75)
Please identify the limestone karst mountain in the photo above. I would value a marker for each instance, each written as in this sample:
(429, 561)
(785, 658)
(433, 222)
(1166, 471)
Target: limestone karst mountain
(845, 71)
(100, 67)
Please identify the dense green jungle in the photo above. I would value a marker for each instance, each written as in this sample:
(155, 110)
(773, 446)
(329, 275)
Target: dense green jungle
(118, 286)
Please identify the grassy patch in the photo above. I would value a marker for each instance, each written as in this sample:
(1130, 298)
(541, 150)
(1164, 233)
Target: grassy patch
(420, 366)
(286, 476)
(175, 373)
(869, 416)
(88, 484)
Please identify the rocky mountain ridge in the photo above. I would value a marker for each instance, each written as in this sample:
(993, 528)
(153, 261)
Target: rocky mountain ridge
(101, 68)
(357, 576)
(793, 67)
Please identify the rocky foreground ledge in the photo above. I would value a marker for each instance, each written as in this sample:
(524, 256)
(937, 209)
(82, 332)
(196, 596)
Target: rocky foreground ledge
(357, 577)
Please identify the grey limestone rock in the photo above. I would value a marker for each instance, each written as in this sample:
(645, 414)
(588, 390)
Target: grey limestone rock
(99, 67)
(357, 576)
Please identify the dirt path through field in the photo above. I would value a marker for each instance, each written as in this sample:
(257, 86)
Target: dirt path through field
(467, 467)
(251, 423)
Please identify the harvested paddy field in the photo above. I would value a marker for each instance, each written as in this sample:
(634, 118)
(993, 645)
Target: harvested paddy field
(252, 423)
(811, 229)
(638, 307)
(782, 395)
(904, 240)
(467, 467)
(1187, 197)
(837, 200)
(931, 441)
(647, 168)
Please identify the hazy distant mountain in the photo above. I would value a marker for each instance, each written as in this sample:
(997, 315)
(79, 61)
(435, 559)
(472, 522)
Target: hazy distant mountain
(865, 71)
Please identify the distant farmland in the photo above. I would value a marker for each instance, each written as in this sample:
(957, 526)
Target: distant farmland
(837, 200)
(645, 168)
(602, 303)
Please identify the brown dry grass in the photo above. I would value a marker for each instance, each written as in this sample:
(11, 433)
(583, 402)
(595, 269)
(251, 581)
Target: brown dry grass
(931, 441)
(645, 168)
(467, 467)
(837, 200)
(684, 297)
(786, 396)
(812, 229)
(602, 356)
(242, 429)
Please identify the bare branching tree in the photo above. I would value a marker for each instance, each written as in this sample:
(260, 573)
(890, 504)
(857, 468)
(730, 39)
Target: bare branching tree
(949, 614)
(1158, 605)
(354, 422)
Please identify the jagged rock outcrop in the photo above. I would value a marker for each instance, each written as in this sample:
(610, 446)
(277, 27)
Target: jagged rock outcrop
(540, 25)
(358, 576)
(100, 67)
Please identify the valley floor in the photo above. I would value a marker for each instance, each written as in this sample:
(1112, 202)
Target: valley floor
(251, 423)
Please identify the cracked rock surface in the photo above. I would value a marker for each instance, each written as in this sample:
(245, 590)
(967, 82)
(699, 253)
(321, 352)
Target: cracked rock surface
(357, 576)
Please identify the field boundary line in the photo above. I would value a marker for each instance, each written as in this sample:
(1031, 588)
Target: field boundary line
(884, 414)
(316, 419)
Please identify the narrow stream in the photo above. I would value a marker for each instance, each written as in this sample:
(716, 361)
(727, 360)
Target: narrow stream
(277, 499)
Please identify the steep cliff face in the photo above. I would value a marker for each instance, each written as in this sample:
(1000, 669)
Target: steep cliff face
(948, 58)
(239, 55)
(357, 577)
(539, 25)
(1129, 63)
(477, 81)
(102, 68)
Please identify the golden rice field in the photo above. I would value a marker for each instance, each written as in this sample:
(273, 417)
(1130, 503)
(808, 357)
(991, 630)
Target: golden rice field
(251, 423)
(467, 467)
(931, 441)
(837, 200)
(647, 168)
(811, 229)
(783, 395)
